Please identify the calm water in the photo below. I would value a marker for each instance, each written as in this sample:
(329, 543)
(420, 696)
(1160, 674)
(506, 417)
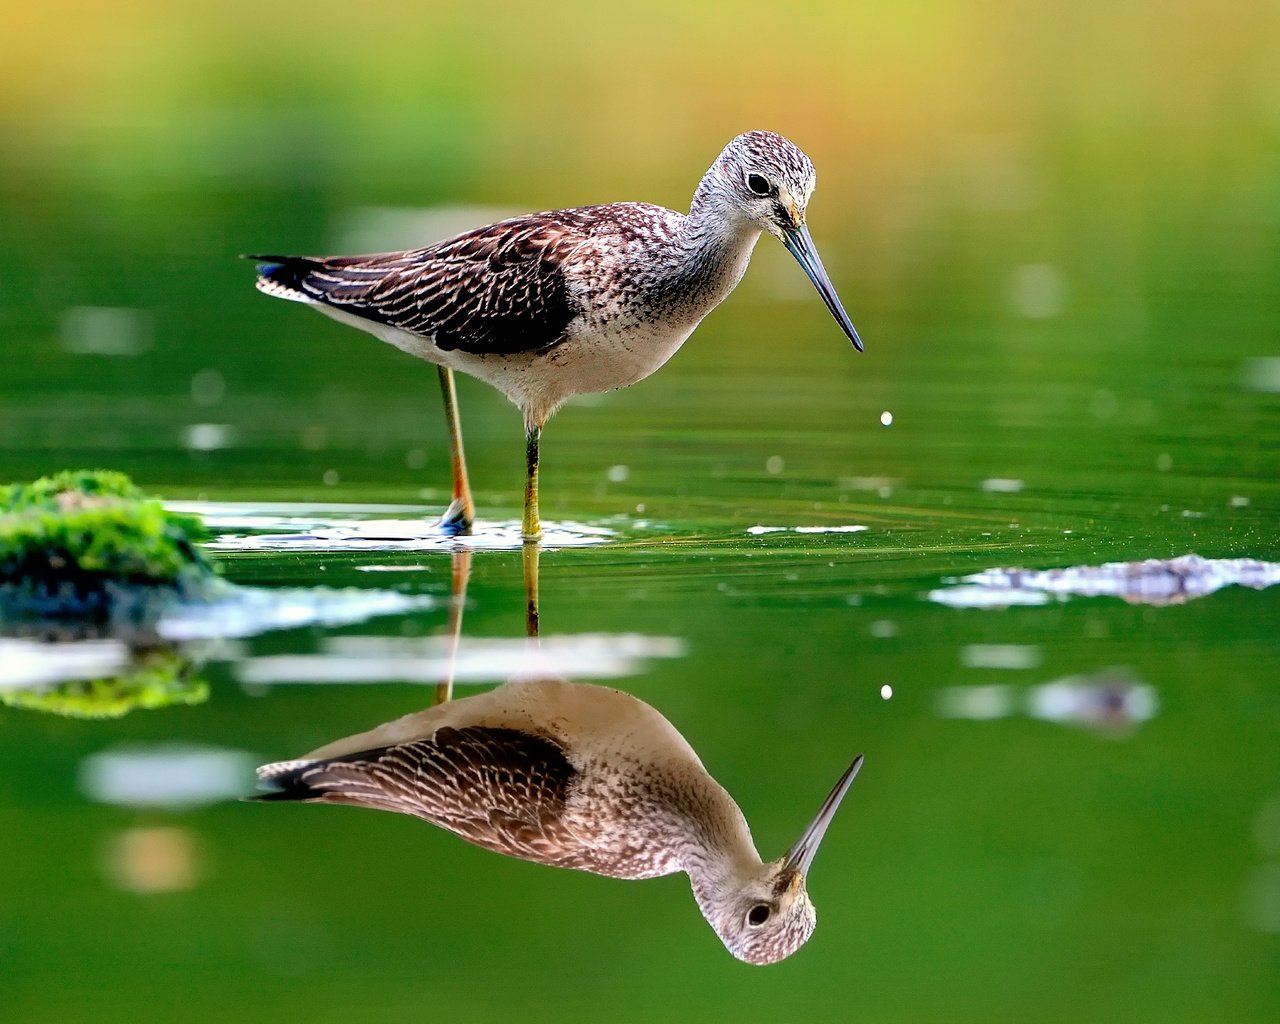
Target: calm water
(1070, 806)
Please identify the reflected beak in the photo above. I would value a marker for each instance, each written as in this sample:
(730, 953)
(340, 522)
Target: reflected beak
(801, 855)
(800, 245)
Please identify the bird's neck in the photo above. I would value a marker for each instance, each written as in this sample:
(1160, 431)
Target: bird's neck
(715, 233)
(717, 884)
(716, 849)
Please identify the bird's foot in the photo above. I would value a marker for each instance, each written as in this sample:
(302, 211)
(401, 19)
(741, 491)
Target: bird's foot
(457, 519)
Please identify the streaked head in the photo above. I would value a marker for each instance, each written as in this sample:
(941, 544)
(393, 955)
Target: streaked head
(768, 915)
(765, 918)
(769, 181)
(769, 178)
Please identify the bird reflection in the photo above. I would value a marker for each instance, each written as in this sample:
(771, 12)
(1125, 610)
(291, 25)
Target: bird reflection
(576, 776)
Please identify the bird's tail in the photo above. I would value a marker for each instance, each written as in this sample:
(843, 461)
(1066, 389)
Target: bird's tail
(283, 277)
(287, 780)
(345, 779)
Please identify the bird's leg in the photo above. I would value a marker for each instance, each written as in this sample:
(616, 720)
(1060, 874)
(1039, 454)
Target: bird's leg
(457, 602)
(532, 526)
(531, 622)
(461, 512)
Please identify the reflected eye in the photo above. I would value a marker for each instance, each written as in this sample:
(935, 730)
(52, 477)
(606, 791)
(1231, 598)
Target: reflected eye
(758, 914)
(758, 184)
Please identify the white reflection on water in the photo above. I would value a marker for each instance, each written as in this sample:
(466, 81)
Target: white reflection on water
(1107, 700)
(757, 531)
(207, 437)
(1154, 581)
(979, 596)
(249, 611)
(335, 526)
(171, 775)
(1111, 701)
(202, 629)
(373, 659)
(26, 662)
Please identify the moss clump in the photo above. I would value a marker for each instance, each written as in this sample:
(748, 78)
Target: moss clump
(71, 542)
(156, 679)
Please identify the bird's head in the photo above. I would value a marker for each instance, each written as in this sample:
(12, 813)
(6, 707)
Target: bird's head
(766, 916)
(768, 181)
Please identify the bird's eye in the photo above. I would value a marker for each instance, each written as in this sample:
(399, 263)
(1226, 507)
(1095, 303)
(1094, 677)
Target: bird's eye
(758, 184)
(758, 914)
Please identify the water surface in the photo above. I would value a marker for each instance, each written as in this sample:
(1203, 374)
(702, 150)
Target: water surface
(1063, 261)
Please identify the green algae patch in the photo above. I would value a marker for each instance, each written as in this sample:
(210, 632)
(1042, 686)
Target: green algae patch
(74, 543)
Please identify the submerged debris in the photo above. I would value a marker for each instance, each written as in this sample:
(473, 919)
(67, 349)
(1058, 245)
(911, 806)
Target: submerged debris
(1157, 581)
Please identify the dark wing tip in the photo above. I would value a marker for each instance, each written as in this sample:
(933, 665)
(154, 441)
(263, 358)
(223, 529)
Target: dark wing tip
(285, 277)
(276, 260)
(283, 782)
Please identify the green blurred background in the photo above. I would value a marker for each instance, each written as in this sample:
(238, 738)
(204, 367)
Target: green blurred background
(1056, 226)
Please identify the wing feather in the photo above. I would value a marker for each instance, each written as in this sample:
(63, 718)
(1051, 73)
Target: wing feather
(500, 289)
(502, 789)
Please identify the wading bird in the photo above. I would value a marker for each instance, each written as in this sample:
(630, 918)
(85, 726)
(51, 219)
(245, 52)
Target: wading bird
(568, 302)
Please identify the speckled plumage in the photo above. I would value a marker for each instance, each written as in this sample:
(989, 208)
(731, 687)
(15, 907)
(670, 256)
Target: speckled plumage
(573, 776)
(568, 302)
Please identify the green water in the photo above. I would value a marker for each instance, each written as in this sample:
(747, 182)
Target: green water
(1059, 240)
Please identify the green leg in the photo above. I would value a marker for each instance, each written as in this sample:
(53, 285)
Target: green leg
(532, 527)
(531, 623)
(461, 512)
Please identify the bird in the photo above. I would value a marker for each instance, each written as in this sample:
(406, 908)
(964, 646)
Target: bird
(567, 302)
(575, 775)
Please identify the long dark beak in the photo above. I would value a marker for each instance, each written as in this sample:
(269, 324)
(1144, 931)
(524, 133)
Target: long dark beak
(801, 855)
(800, 245)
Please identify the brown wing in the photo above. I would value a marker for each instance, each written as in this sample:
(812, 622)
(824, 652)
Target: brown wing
(501, 789)
(499, 289)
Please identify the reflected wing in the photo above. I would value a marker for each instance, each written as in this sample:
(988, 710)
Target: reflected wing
(499, 289)
(501, 789)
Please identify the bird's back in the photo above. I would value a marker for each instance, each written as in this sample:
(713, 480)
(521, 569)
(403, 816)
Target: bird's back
(503, 289)
(560, 773)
